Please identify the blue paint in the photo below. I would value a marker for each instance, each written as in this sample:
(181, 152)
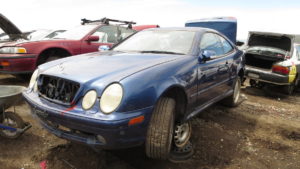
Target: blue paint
(144, 78)
(225, 25)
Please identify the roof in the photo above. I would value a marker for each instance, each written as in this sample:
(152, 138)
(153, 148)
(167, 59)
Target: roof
(195, 29)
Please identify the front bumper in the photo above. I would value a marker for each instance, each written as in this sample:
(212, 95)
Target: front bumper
(266, 76)
(106, 134)
(17, 63)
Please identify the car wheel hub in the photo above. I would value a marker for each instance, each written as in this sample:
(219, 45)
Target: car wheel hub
(236, 92)
(182, 134)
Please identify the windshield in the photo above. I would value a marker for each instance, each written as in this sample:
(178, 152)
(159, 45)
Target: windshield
(38, 35)
(76, 33)
(159, 41)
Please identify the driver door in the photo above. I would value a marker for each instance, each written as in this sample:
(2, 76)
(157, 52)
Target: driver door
(209, 72)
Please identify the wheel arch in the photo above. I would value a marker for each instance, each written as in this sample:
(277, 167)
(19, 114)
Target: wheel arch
(42, 57)
(179, 94)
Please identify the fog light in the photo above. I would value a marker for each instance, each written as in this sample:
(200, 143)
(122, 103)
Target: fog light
(101, 139)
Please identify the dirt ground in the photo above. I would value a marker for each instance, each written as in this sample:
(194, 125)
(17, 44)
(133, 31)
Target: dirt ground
(262, 133)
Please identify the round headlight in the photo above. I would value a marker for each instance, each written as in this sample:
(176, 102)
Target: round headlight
(89, 99)
(111, 98)
(33, 79)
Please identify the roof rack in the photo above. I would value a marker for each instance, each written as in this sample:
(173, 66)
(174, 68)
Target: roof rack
(107, 20)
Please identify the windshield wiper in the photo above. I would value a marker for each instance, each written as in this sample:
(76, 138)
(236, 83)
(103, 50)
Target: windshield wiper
(164, 52)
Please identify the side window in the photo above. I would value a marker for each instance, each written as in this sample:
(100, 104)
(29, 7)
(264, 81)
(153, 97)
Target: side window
(226, 45)
(210, 42)
(107, 34)
(125, 32)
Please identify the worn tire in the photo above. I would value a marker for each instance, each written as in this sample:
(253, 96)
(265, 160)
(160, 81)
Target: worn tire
(19, 123)
(234, 99)
(52, 58)
(160, 131)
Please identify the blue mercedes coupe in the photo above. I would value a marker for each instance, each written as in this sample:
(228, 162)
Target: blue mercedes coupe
(143, 91)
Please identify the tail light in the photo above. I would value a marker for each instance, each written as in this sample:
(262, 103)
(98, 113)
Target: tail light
(281, 69)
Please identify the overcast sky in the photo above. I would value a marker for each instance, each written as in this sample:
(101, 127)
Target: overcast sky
(260, 15)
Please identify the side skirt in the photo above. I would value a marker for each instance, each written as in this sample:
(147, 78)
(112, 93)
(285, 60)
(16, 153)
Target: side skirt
(205, 106)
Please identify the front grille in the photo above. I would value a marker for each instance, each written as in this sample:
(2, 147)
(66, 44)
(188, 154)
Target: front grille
(57, 89)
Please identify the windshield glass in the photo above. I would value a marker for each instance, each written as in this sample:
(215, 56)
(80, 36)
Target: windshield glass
(38, 35)
(76, 33)
(159, 41)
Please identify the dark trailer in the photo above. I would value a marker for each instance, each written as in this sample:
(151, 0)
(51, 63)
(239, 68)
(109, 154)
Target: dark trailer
(225, 25)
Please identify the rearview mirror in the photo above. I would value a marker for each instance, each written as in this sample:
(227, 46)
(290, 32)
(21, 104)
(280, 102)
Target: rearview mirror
(239, 43)
(93, 38)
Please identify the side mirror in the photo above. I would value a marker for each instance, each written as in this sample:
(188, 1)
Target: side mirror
(103, 48)
(206, 55)
(93, 38)
(239, 43)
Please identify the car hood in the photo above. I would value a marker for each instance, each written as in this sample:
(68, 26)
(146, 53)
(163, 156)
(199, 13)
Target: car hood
(104, 67)
(13, 43)
(9, 28)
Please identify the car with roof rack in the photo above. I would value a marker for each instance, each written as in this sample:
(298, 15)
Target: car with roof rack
(22, 57)
(143, 91)
(273, 59)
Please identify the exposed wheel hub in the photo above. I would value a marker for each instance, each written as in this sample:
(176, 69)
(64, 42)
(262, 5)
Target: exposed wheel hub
(237, 92)
(182, 134)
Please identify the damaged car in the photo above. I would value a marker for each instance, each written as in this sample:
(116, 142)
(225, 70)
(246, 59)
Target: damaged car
(273, 59)
(143, 91)
(22, 57)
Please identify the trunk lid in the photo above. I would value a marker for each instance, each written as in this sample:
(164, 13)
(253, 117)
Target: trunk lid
(266, 49)
(274, 40)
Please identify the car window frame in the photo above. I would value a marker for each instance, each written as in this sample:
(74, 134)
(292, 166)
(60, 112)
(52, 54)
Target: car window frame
(218, 35)
(98, 28)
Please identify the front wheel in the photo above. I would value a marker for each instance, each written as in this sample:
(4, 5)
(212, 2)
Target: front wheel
(160, 132)
(234, 99)
(11, 120)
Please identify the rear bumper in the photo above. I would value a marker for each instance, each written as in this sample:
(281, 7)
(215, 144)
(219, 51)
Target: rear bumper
(266, 76)
(106, 134)
(17, 63)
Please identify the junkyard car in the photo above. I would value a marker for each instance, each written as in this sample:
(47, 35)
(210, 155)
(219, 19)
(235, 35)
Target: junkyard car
(22, 57)
(144, 90)
(273, 58)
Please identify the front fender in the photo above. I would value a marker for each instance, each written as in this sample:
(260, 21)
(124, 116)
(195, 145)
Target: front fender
(144, 88)
(144, 93)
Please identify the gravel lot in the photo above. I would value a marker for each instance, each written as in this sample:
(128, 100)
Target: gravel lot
(262, 133)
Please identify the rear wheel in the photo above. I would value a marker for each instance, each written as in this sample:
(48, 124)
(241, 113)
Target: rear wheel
(160, 131)
(12, 120)
(234, 99)
(52, 58)
(289, 89)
